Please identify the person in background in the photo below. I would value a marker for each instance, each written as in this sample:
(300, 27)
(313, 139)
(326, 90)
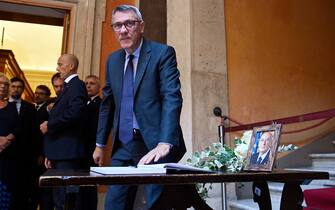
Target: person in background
(42, 196)
(63, 145)
(89, 133)
(57, 84)
(9, 167)
(27, 136)
(141, 106)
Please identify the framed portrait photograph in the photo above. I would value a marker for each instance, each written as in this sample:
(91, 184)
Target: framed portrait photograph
(263, 148)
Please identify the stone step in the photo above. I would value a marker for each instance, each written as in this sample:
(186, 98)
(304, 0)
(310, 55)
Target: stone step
(323, 160)
(276, 188)
(331, 170)
(249, 204)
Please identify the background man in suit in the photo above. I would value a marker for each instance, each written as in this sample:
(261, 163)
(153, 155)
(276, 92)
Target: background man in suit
(89, 134)
(43, 196)
(26, 138)
(57, 84)
(264, 149)
(91, 115)
(142, 104)
(63, 146)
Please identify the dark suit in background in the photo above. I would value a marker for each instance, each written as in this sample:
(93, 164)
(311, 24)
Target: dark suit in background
(91, 117)
(63, 142)
(27, 138)
(63, 145)
(44, 195)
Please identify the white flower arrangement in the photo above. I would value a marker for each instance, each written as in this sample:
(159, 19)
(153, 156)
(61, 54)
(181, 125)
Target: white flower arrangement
(221, 157)
(218, 157)
(242, 144)
(290, 147)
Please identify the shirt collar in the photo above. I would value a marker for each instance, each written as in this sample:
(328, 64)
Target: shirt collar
(136, 52)
(68, 79)
(93, 97)
(265, 154)
(16, 100)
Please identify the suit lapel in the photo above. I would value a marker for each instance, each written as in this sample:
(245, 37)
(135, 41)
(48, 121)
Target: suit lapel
(66, 87)
(143, 61)
(117, 72)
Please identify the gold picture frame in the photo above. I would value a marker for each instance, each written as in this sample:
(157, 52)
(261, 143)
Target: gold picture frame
(263, 148)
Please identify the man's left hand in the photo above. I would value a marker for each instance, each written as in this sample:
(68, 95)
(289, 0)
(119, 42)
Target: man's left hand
(44, 127)
(160, 151)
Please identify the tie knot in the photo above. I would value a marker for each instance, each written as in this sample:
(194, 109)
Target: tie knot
(130, 57)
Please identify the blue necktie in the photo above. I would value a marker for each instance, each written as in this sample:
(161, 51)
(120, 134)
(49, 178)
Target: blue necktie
(127, 104)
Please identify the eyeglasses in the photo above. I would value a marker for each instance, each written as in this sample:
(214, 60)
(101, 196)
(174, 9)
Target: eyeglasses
(129, 24)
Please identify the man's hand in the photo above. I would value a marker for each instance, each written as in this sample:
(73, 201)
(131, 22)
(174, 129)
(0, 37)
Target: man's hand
(50, 106)
(160, 151)
(44, 127)
(98, 156)
(47, 163)
(3, 143)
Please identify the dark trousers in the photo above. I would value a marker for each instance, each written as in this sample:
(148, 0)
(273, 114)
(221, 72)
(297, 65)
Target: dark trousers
(72, 193)
(121, 197)
(89, 194)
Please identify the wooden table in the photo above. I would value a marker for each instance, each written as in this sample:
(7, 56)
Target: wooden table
(292, 196)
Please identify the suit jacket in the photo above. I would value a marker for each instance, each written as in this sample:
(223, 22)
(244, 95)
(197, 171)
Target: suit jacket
(157, 97)
(264, 161)
(62, 141)
(90, 128)
(28, 130)
(42, 115)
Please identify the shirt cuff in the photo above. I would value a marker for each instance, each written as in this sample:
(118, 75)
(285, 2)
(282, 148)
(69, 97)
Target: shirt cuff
(100, 145)
(166, 144)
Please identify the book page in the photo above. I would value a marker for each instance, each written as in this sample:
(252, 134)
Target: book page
(175, 166)
(127, 170)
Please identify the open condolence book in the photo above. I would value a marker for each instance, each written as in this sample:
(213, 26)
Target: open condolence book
(150, 169)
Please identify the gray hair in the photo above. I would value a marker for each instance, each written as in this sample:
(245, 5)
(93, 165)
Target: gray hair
(92, 76)
(126, 8)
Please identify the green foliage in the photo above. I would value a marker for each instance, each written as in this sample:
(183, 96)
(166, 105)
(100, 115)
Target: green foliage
(216, 157)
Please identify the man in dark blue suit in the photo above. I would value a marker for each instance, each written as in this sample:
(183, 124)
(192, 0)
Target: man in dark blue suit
(141, 106)
(63, 146)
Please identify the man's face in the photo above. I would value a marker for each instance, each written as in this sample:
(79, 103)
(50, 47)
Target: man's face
(264, 143)
(58, 85)
(40, 96)
(130, 33)
(92, 86)
(16, 89)
(65, 66)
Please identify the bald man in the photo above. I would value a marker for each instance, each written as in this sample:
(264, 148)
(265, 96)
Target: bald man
(63, 147)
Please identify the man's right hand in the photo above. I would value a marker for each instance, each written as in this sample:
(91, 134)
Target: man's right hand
(98, 155)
